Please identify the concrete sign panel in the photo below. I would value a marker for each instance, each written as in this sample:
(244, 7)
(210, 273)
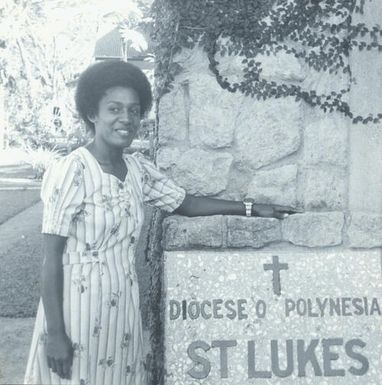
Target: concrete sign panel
(254, 317)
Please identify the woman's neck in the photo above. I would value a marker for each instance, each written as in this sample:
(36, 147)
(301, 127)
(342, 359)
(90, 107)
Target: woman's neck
(105, 155)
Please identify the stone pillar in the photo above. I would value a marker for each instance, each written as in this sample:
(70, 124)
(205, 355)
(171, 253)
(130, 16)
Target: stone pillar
(258, 298)
(2, 120)
(365, 193)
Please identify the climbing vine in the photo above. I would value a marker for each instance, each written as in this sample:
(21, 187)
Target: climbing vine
(319, 33)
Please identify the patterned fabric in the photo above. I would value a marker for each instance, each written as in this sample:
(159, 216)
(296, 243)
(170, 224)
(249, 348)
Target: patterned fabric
(102, 218)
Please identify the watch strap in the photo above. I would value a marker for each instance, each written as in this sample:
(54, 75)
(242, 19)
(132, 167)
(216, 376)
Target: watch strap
(248, 208)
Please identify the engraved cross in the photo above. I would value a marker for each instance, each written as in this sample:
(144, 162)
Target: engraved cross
(276, 267)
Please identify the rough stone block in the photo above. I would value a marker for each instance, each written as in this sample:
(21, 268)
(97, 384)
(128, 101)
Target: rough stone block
(365, 94)
(324, 188)
(280, 66)
(252, 232)
(212, 113)
(267, 131)
(168, 157)
(202, 172)
(277, 186)
(325, 141)
(193, 61)
(172, 117)
(231, 67)
(314, 229)
(186, 233)
(323, 82)
(365, 230)
(237, 185)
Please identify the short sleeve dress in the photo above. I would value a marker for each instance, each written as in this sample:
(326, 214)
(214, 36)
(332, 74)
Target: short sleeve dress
(101, 216)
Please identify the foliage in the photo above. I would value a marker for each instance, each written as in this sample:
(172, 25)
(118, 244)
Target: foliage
(40, 158)
(44, 45)
(39, 70)
(319, 33)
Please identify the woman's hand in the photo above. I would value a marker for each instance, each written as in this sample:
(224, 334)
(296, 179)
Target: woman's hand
(60, 354)
(273, 211)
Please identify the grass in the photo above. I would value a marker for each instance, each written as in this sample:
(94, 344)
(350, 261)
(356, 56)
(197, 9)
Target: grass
(21, 260)
(15, 337)
(15, 201)
(20, 243)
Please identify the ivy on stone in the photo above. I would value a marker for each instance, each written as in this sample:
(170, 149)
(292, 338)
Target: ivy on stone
(320, 33)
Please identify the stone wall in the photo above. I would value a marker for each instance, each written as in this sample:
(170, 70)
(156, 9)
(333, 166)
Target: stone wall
(280, 151)
(218, 144)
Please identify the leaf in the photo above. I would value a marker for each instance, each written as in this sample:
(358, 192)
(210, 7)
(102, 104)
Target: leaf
(134, 39)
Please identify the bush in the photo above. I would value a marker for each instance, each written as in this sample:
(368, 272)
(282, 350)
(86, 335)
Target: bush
(41, 157)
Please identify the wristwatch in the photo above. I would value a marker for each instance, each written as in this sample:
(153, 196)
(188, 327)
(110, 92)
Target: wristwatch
(248, 203)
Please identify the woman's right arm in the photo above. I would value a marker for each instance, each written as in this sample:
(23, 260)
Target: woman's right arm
(59, 346)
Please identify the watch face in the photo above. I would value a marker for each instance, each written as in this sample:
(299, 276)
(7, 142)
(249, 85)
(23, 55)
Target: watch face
(248, 200)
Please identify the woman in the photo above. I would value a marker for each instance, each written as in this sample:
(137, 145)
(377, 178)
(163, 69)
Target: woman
(88, 326)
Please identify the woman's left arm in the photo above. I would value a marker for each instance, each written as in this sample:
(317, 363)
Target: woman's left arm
(193, 206)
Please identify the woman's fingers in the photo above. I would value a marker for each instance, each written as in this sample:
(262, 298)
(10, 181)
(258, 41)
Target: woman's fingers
(279, 215)
(275, 211)
(62, 367)
(288, 210)
(67, 365)
(60, 354)
(66, 368)
(49, 362)
(53, 365)
(282, 212)
(59, 367)
(294, 211)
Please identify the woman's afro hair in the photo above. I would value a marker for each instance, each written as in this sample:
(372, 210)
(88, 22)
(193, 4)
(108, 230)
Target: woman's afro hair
(99, 77)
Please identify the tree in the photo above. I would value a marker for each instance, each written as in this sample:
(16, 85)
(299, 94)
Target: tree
(44, 45)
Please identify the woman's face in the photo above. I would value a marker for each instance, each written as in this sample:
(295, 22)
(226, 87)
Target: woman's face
(118, 118)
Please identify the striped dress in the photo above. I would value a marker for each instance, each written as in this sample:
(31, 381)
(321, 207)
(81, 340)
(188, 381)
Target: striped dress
(101, 217)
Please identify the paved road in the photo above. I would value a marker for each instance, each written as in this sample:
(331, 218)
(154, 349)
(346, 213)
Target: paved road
(15, 337)
(18, 177)
(17, 171)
